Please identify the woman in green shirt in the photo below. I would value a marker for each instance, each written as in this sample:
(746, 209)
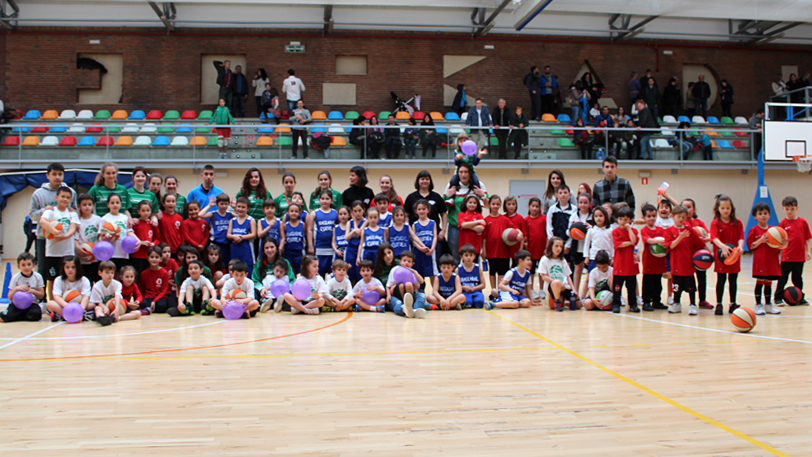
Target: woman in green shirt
(139, 192)
(105, 185)
(171, 185)
(253, 188)
(283, 200)
(326, 183)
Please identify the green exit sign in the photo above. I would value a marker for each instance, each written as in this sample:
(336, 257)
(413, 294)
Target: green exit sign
(299, 48)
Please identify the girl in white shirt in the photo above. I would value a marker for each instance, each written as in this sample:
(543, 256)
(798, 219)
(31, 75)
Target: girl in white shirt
(575, 247)
(598, 238)
(71, 280)
(318, 289)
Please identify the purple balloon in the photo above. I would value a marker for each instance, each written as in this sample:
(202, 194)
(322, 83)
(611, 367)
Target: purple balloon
(22, 300)
(469, 147)
(280, 287)
(301, 289)
(233, 310)
(370, 297)
(402, 275)
(103, 250)
(129, 244)
(73, 312)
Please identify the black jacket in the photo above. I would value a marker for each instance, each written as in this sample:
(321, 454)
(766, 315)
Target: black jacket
(458, 98)
(501, 117)
(701, 90)
(221, 72)
(646, 120)
(727, 94)
(364, 194)
(671, 95)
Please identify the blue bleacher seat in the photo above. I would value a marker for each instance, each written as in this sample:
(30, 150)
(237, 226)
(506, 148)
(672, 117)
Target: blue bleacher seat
(184, 129)
(564, 118)
(442, 131)
(683, 119)
(450, 116)
(724, 144)
(59, 128)
(335, 116)
(21, 129)
(713, 120)
(86, 141)
(160, 141)
(318, 129)
(267, 116)
(265, 130)
(32, 115)
(137, 115)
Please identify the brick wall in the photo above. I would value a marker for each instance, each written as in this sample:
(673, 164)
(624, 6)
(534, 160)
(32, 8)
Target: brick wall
(161, 70)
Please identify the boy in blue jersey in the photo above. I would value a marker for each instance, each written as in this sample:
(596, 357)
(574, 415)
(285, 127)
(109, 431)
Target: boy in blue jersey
(472, 279)
(447, 290)
(514, 290)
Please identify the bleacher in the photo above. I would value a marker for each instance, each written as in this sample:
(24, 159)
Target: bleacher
(180, 135)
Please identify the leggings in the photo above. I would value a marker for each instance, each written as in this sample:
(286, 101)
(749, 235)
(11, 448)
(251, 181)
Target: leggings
(720, 286)
(794, 269)
(631, 289)
(767, 285)
(162, 305)
(702, 285)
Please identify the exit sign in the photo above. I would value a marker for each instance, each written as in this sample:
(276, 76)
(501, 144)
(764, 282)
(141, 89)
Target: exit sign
(297, 48)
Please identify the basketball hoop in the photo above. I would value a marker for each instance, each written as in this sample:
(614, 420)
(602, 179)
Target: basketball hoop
(804, 163)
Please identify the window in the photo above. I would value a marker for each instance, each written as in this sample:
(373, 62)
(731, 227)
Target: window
(351, 65)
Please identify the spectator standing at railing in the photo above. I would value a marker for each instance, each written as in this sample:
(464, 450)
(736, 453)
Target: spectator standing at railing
(603, 121)
(292, 87)
(549, 86)
(460, 100)
(518, 132)
(240, 90)
(757, 123)
(727, 97)
(479, 121)
(259, 82)
(671, 97)
(646, 121)
(531, 81)
(651, 94)
(225, 79)
(428, 136)
(501, 124)
(301, 117)
(702, 93)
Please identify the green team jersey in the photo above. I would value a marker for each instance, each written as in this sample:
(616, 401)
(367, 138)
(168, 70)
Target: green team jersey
(282, 203)
(255, 204)
(337, 200)
(137, 197)
(180, 207)
(101, 193)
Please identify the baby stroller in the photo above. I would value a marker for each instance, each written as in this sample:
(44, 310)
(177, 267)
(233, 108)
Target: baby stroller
(321, 141)
(400, 105)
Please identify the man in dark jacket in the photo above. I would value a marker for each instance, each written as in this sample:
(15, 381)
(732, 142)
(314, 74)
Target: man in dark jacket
(532, 83)
(701, 93)
(225, 79)
(501, 126)
(646, 121)
(240, 90)
(549, 86)
(460, 100)
(651, 94)
(671, 97)
(479, 121)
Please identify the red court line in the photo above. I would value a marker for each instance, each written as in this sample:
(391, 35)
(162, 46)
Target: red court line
(346, 318)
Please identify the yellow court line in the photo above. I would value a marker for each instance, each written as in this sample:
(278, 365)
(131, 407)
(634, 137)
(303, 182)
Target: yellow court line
(645, 389)
(281, 356)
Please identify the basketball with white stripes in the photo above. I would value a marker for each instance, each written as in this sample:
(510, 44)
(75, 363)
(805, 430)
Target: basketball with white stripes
(744, 319)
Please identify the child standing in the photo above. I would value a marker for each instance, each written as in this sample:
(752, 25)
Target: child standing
(382, 204)
(558, 216)
(320, 226)
(220, 221)
(368, 283)
(169, 224)
(195, 231)
(495, 251)
(665, 220)
(197, 292)
(683, 241)
(154, 282)
(399, 234)
(726, 229)
(146, 233)
(88, 232)
(114, 217)
(472, 279)
(169, 265)
(269, 226)
(71, 279)
(514, 290)
(701, 276)
(447, 289)
(58, 243)
(371, 237)
(624, 239)
(407, 299)
(241, 230)
(798, 251)
(576, 248)
(511, 208)
(536, 238)
(598, 237)
(600, 279)
(353, 238)
(653, 267)
(425, 240)
(766, 263)
(472, 225)
(556, 276)
(339, 290)
(292, 244)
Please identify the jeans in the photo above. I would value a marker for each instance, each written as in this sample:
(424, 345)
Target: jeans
(535, 106)
(397, 306)
(502, 137)
(292, 106)
(410, 145)
(645, 148)
(701, 103)
(259, 105)
(454, 242)
(226, 94)
(576, 112)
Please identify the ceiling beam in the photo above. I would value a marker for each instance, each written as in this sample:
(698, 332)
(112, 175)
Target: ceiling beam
(4, 17)
(329, 22)
(490, 22)
(165, 12)
(630, 31)
(773, 35)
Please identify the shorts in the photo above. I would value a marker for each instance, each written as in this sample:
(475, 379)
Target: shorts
(565, 293)
(224, 132)
(498, 266)
(120, 263)
(684, 283)
(534, 265)
(577, 257)
(591, 266)
(51, 268)
(507, 296)
(768, 278)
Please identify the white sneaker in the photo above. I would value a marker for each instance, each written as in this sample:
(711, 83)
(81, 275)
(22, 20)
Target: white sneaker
(675, 308)
(311, 311)
(535, 296)
(692, 310)
(772, 309)
(779, 304)
(266, 305)
(670, 301)
(420, 313)
(277, 306)
(639, 301)
(408, 301)
(760, 310)
(622, 301)
(542, 295)
(293, 310)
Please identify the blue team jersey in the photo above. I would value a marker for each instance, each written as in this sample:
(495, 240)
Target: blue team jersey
(447, 288)
(219, 227)
(399, 239)
(469, 278)
(518, 282)
(425, 233)
(355, 241)
(340, 234)
(243, 250)
(385, 220)
(294, 239)
(323, 226)
(372, 239)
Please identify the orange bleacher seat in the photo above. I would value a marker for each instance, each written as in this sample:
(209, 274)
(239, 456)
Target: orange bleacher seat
(124, 141)
(198, 141)
(436, 116)
(318, 116)
(106, 141)
(68, 141)
(50, 115)
(547, 117)
(264, 141)
(119, 114)
(188, 114)
(338, 141)
(402, 116)
(711, 132)
(283, 130)
(31, 141)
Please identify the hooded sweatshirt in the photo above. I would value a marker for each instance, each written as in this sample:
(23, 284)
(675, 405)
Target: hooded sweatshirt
(46, 196)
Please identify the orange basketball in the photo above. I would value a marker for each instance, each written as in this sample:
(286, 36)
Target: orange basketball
(111, 230)
(701, 231)
(113, 303)
(57, 226)
(732, 258)
(235, 294)
(86, 248)
(73, 296)
(776, 237)
(744, 319)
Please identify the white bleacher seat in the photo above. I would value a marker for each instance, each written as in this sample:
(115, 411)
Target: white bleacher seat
(76, 128)
(455, 130)
(85, 114)
(149, 128)
(49, 141)
(180, 141)
(335, 129)
(464, 116)
(68, 114)
(667, 132)
(143, 141)
(661, 143)
(130, 128)
(669, 120)
(741, 120)
(697, 120)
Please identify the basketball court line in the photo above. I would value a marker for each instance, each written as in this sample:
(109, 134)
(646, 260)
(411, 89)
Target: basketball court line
(18, 340)
(651, 392)
(162, 351)
(712, 329)
(114, 335)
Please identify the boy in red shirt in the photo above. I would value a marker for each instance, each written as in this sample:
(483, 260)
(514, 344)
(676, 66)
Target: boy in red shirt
(798, 251)
(766, 263)
(495, 250)
(169, 224)
(625, 270)
(683, 241)
(155, 284)
(195, 231)
(653, 267)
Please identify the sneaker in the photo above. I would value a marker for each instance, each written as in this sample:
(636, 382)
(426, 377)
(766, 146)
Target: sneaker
(670, 301)
(558, 307)
(488, 306)
(803, 302)
(326, 309)
(381, 309)
(779, 301)
(434, 308)
(692, 310)
(760, 309)
(705, 305)
(639, 301)
(311, 311)
(648, 307)
(356, 308)
(675, 308)
(266, 305)
(720, 310)
(616, 308)
(659, 306)
(408, 303)
(535, 296)
(420, 313)
(146, 311)
(634, 308)
(772, 309)
(218, 314)
(105, 320)
(733, 307)
(206, 309)
(277, 306)
(55, 317)
(542, 295)
(294, 310)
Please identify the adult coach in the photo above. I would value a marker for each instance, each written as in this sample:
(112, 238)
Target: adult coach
(358, 189)
(612, 189)
(203, 193)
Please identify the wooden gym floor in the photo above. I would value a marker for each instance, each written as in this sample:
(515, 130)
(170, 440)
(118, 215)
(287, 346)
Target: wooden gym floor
(508, 382)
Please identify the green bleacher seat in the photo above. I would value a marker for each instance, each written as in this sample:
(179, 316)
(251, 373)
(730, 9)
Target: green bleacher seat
(726, 133)
(166, 129)
(205, 115)
(284, 141)
(557, 132)
(171, 115)
(102, 114)
(494, 141)
(565, 143)
(351, 115)
(384, 115)
(113, 129)
(213, 141)
(202, 129)
(727, 121)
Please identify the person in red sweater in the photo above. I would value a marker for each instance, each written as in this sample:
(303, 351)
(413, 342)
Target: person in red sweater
(472, 224)
(129, 291)
(536, 238)
(766, 261)
(726, 229)
(169, 224)
(170, 266)
(625, 269)
(683, 241)
(797, 252)
(510, 207)
(146, 233)
(155, 284)
(653, 267)
(195, 231)
(495, 250)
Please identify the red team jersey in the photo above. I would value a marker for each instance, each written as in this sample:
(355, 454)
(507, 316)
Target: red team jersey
(144, 231)
(494, 246)
(624, 257)
(516, 221)
(468, 236)
(766, 261)
(195, 232)
(727, 233)
(171, 267)
(169, 228)
(536, 235)
(682, 256)
(797, 234)
(131, 292)
(652, 265)
(155, 284)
